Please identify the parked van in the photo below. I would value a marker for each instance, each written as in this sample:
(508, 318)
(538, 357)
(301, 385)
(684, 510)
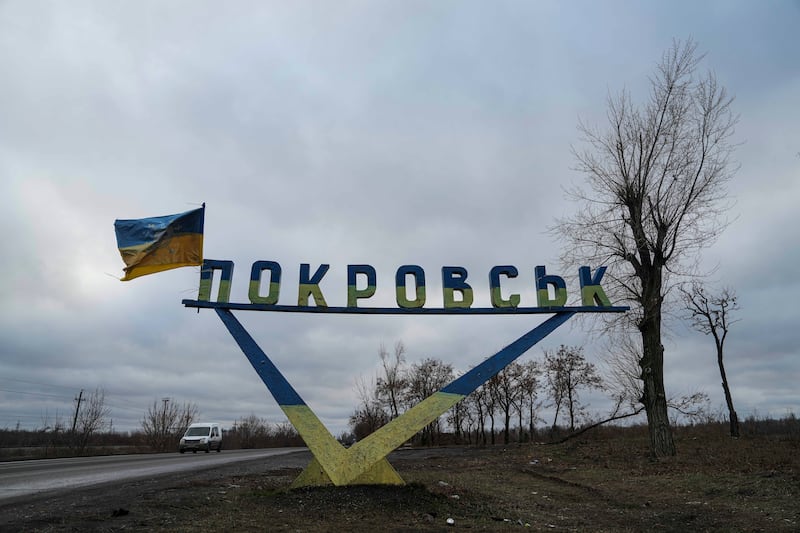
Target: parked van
(204, 436)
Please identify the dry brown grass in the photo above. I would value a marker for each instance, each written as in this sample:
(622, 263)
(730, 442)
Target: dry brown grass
(602, 482)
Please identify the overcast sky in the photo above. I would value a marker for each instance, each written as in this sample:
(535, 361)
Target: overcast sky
(387, 133)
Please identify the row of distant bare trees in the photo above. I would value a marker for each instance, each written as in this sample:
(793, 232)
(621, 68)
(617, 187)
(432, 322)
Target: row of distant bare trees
(162, 425)
(515, 396)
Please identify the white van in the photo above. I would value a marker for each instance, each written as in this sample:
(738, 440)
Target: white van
(204, 436)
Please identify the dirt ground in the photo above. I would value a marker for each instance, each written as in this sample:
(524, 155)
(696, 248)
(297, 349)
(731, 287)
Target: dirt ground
(602, 482)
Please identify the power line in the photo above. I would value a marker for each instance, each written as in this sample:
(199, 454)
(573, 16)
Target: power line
(113, 404)
(125, 408)
(35, 394)
(38, 383)
(117, 401)
(17, 417)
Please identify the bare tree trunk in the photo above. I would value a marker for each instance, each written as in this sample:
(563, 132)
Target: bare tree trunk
(555, 420)
(531, 420)
(733, 417)
(655, 397)
(571, 409)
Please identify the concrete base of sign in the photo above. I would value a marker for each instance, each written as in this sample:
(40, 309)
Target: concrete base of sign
(381, 473)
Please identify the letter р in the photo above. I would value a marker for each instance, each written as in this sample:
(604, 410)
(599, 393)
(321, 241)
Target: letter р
(353, 292)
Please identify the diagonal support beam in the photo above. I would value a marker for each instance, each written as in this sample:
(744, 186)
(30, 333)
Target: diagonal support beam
(328, 451)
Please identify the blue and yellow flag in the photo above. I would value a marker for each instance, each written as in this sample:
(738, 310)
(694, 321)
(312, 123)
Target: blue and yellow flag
(150, 245)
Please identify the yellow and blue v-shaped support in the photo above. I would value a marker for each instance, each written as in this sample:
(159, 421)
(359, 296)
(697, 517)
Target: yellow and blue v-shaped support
(365, 462)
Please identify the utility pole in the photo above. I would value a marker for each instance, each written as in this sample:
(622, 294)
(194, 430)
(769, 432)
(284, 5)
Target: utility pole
(164, 432)
(79, 399)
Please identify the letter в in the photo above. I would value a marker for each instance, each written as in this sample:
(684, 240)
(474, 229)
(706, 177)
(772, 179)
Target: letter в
(454, 281)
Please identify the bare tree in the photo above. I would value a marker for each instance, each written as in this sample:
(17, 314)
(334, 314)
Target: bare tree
(566, 371)
(366, 419)
(252, 431)
(88, 417)
(370, 414)
(469, 419)
(477, 401)
(381, 397)
(489, 401)
(710, 314)
(457, 416)
(622, 373)
(507, 394)
(424, 379)
(54, 430)
(655, 195)
(187, 413)
(286, 434)
(391, 384)
(529, 388)
(92, 417)
(163, 424)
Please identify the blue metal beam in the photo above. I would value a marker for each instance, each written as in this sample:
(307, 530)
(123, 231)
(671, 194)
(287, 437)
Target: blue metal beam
(202, 304)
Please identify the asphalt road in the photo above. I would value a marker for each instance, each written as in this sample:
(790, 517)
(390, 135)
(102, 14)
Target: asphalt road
(21, 478)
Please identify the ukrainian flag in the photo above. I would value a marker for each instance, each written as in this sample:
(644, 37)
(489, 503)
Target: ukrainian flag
(150, 245)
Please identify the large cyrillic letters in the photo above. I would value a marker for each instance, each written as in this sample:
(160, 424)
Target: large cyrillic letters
(494, 286)
(353, 292)
(401, 294)
(207, 279)
(256, 273)
(454, 281)
(591, 291)
(309, 286)
(410, 288)
(543, 284)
